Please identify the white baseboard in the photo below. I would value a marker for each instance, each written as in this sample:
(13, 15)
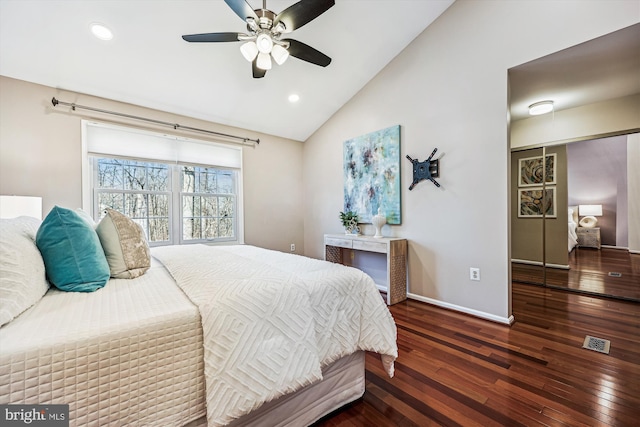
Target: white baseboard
(622, 248)
(525, 261)
(481, 314)
(633, 251)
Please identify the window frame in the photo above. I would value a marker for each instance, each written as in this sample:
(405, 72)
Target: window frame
(176, 223)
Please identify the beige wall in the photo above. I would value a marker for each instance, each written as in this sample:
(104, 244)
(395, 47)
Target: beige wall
(448, 89)
(40, 155)
(584, 122)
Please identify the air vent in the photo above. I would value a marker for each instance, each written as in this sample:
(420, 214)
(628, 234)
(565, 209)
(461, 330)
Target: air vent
(596, 344)
(615, 274)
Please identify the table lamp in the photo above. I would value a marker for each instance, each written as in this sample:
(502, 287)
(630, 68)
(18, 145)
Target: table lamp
(589, 212)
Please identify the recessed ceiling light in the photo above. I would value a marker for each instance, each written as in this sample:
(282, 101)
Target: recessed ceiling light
(294, 97)
(541, 107)
(101, 31)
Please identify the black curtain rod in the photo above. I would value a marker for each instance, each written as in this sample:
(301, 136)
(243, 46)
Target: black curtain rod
(175, 126)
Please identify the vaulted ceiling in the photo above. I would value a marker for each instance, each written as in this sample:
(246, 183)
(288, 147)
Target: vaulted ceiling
(147, 62)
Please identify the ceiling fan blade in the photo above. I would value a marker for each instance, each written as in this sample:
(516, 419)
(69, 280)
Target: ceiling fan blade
(301, 13)
(258, 73)
(242, 9)
(211, 37)
(307, 53)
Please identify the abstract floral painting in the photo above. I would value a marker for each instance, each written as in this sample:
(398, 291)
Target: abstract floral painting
(531, 171)
(372, 175)
(531, 203)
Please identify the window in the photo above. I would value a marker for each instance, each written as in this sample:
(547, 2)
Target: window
(140, 190)
(208, 203)
(174, 202)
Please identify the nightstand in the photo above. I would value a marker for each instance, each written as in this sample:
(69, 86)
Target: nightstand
(588, 237)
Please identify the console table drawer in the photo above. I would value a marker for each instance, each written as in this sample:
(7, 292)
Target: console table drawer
(341, 243)
(363, 245)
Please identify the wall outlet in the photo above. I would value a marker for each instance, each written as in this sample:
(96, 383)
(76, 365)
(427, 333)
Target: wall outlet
(474, 273)
(293, 247)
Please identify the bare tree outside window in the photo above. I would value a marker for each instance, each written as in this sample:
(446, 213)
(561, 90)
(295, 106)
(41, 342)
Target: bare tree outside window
(140, 190)
(208, 203)
(144, 192)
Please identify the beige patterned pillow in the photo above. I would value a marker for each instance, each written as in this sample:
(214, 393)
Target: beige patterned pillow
(124, 244)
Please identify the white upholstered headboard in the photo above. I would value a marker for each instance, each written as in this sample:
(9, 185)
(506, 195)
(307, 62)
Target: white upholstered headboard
(15, 206)
(573, 210)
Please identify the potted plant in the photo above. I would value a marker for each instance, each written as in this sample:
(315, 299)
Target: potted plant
(349, 221)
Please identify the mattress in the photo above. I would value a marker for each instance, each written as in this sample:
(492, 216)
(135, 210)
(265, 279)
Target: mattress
(343, 382)
(127, 354)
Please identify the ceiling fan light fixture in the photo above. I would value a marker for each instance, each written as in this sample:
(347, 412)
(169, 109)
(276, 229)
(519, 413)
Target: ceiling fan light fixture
(252, 24)
(279, 54)
(264, 61)
(249, 50)
(279, 28)
(264, 43)
(542, 107)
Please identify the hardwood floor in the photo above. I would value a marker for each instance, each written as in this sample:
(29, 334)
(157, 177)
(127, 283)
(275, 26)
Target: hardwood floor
(589, 273)
(458, 370)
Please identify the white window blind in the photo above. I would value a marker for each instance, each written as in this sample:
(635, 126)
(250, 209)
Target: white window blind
(138, 144)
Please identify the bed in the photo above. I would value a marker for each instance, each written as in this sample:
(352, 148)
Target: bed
(573, 225)
(208, 335)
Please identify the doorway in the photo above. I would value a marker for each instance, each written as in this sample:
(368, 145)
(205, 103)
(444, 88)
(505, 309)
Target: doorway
(541, 246)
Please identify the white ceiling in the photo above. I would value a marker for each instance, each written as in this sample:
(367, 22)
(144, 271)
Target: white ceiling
(147, 63)
(604, 68)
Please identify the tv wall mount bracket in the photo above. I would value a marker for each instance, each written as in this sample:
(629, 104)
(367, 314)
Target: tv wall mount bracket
(429, 169)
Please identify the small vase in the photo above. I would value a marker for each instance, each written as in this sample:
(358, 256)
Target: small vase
(378, 221)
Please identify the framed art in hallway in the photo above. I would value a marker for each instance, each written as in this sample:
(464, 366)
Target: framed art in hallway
(531, 171)
(531, 203)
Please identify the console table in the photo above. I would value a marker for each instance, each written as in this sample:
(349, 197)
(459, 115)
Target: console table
(396, 254)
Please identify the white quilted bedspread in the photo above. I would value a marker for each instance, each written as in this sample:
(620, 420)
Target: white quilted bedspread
(272, 320)
(129, 354)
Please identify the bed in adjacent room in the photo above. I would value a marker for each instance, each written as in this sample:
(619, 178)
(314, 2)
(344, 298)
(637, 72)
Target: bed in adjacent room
(573, 226)
(238, 334)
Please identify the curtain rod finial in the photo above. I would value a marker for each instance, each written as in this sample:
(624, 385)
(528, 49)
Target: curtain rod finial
(54, 101)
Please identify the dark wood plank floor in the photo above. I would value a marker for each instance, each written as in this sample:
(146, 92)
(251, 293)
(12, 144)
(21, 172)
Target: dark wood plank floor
(589, 273)
(458, 370)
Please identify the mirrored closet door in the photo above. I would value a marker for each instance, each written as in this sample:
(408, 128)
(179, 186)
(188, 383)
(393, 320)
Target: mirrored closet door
(539, 224)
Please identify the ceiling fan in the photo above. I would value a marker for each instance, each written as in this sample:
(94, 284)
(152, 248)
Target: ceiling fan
(266, 29)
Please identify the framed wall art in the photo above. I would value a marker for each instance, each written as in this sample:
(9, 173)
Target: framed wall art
(531, 203)
(530, 171)
(372, 175)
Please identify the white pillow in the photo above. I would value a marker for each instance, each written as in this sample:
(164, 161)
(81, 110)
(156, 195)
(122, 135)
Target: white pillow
(22, 275)
(124, 244)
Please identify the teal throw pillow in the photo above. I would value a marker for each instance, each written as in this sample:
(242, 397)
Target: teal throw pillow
(73, 257)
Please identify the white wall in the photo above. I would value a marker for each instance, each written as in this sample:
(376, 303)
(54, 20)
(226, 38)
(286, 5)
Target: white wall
(40, 155)
(448, 89)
